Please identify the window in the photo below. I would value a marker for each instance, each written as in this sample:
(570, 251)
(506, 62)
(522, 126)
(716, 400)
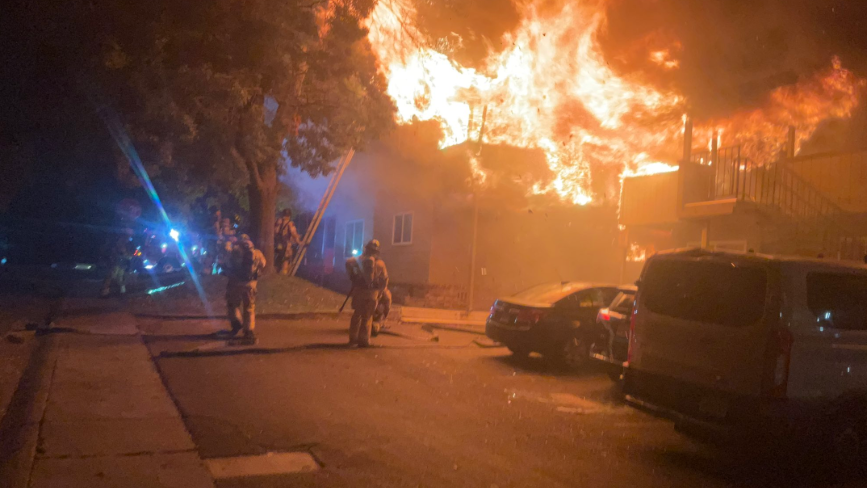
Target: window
(402, 229)
(623, 302)
(354, 240)
(720, 293)
(838, 300)
(592, 298)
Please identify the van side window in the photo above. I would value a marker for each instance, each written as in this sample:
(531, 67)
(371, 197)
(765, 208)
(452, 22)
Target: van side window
(838, 300)
(706, 291)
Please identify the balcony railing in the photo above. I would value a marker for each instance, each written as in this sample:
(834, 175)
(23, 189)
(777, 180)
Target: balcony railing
(777, 188)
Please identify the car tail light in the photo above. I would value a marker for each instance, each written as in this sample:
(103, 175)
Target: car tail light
(531, 316)
(778, 357)
(604, 314)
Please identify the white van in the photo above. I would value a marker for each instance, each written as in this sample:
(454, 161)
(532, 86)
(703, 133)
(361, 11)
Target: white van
(753, 341)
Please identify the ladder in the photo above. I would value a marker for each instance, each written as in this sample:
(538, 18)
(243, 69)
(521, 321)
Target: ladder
(317, 217)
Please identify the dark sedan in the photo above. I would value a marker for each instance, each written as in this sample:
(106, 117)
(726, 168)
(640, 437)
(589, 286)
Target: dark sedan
(554, 319)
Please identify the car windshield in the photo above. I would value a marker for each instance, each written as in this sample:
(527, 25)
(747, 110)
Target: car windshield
(711, 292)
(838, 300)
(547, 293)
(623, 302)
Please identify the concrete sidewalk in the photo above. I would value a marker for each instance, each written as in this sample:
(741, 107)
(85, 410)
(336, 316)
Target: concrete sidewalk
(103, 417)
(435, 318)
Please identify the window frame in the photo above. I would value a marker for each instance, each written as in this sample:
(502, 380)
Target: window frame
(403, 216)
(347, 250)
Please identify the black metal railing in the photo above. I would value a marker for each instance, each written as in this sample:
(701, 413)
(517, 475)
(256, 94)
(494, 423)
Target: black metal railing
(778, 188)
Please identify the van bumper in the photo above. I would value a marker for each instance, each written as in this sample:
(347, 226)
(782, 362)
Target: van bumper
(713, 411)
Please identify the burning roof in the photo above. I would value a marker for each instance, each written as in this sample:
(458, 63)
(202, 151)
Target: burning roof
(549, 86)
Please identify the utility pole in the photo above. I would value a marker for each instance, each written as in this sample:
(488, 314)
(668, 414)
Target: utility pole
(790, 143)
(472, 287)
(687, 140)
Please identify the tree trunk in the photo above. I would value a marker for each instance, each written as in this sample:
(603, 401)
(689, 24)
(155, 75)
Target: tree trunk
(263, 212)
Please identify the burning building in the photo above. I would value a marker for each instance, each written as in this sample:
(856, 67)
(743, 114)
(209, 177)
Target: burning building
(439, 219)
(814, 205)
(570, 160)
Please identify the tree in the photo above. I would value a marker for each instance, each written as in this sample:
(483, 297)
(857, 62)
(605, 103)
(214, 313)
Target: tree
(227, 91)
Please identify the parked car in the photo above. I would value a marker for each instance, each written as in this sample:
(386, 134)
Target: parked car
(750, 343)
(554, 319)
(611, 333)
(159, 252)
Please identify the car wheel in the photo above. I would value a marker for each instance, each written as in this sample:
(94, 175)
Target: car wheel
(575, 352)
(518, 351)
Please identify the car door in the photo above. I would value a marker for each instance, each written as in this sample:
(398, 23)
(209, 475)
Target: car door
(581, 307)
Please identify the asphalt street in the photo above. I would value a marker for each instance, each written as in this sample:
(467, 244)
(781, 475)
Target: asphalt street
(413, 412)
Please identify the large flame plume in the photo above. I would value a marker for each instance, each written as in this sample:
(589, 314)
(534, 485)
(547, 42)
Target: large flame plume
(552, 89)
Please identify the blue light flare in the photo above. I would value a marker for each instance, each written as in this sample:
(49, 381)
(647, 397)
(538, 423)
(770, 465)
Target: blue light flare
(121, 138)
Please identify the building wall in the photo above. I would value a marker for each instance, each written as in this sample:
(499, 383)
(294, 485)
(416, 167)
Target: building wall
(407, 263)
(452, 243)
(520, 249)
(649, 199)
(739, 233)
(842, 177)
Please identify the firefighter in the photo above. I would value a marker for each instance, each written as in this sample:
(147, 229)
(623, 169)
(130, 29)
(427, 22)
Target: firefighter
(119, 256)
(285, 235)
(227, 230)
(213, 237)
(383, 307)
(242, 267)
(369, 279)
(226, 243)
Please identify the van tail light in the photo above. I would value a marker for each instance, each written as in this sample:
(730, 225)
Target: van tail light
(777, 366)
(604, 315)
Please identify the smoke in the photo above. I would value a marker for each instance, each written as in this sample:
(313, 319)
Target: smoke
(731, 53)
(409, 160)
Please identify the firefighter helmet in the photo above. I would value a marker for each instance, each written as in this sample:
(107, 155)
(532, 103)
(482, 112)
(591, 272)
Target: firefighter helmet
(372, 247)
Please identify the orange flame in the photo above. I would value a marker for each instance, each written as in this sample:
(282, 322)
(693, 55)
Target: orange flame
(551, 89)
(663, 58)
(761, 133)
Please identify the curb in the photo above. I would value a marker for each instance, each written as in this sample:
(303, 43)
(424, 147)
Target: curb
(455, 328)
(19, 429)
(265, 316)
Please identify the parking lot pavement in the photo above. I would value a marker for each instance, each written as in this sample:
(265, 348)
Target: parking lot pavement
(420, 413)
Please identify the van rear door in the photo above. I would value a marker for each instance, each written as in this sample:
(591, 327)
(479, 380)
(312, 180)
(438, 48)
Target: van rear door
(829, 353)
(701, 329)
